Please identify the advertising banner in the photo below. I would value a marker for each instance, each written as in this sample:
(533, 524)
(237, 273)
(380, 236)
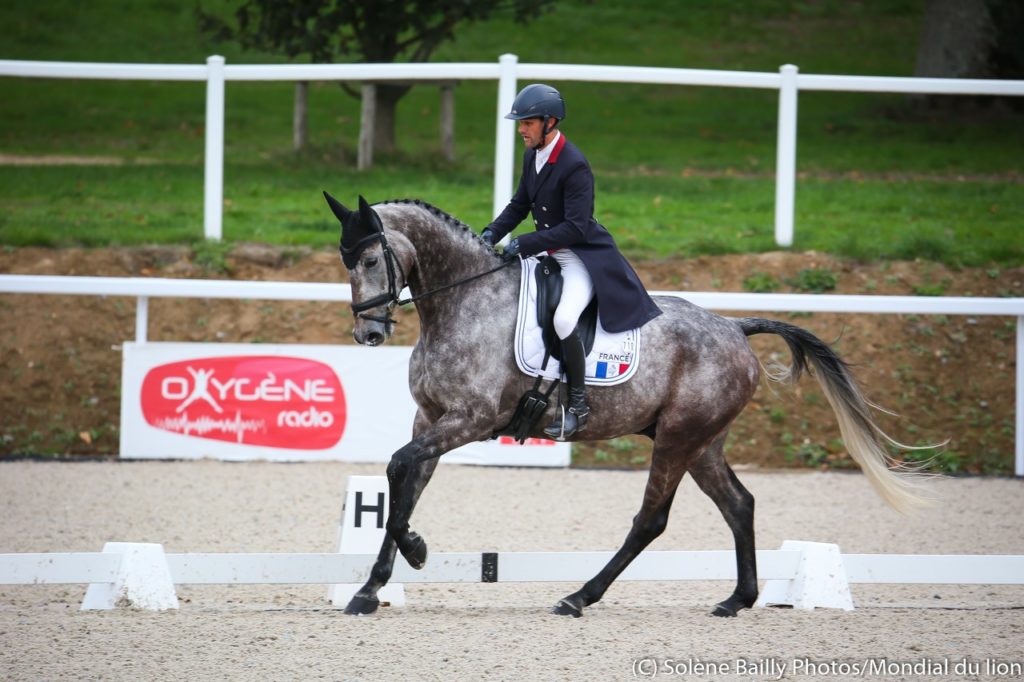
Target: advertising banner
(283, 403)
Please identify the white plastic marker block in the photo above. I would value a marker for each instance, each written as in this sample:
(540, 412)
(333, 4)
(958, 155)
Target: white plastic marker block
(361, 531)
(143, 580)
(820, 580)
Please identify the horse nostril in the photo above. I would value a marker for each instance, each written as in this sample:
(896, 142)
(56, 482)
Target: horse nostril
(375, 338)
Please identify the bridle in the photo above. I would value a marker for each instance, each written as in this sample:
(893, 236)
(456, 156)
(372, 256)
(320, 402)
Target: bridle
(391, 299)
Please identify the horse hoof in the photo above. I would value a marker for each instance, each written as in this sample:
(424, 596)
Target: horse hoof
(414, 549)
(731, 607)
(564, 608)
(362, 606)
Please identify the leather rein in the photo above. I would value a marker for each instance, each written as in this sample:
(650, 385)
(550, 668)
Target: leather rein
(391, 297)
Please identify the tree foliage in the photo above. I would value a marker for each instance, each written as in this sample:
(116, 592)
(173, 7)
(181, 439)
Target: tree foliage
(363, 30)
(372, 31)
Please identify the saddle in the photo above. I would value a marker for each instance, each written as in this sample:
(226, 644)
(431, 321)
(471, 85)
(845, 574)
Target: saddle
(532, 405)
(548, 274)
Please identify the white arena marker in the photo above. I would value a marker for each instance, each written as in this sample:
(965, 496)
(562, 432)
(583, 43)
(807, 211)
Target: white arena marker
(361, 531)
(820, 580)
(143, 580)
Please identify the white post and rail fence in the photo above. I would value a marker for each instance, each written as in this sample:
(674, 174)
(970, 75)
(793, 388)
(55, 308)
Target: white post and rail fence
(800, 574)
(144, 288)
(143, 576)
(507, 72)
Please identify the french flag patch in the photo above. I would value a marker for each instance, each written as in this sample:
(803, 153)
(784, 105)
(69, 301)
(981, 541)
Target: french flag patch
(608, 370)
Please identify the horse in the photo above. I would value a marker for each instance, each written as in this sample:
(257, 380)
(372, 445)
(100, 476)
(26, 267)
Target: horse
(466, 385)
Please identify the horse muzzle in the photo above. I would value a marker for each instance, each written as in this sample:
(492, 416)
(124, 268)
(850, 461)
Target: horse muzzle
(369, 332)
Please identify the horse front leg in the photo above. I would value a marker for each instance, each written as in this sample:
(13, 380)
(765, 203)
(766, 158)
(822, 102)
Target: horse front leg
(404, 488)
(365, 601)
(449, 432)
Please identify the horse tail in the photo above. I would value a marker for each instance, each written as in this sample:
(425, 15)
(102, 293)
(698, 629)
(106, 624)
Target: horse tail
(903, 487)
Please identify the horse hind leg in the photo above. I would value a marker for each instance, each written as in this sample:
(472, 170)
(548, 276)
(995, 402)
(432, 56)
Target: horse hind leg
(716, 478)
(667, 471)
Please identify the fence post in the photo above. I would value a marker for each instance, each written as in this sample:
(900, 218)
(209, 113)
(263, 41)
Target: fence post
(1019, 430)
(785, 160)
(213, 190)
(504, 142)
(141, 319)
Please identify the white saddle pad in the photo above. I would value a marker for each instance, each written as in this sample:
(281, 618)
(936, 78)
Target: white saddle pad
(613, 360)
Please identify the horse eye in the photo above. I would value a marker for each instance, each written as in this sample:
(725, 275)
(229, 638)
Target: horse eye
(370, 263)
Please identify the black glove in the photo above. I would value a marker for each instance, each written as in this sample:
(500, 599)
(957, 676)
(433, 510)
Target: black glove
(488, 236)
(511, 251)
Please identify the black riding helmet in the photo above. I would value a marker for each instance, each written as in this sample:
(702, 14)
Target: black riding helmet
(538, 101)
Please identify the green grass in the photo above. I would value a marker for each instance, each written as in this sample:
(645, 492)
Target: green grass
(680, 171)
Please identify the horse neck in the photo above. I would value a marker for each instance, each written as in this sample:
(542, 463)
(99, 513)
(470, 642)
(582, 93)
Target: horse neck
(446, 254)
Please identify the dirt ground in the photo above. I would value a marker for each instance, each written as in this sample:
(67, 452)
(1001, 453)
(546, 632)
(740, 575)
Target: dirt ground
(947, 377)
(500, 631)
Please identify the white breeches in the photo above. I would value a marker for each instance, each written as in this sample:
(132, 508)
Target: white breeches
(577, 290)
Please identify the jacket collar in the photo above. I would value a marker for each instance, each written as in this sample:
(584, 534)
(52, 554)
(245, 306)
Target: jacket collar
(558, 149)
(538, 179)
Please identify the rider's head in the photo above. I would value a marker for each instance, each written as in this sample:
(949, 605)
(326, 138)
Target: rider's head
(539, 109)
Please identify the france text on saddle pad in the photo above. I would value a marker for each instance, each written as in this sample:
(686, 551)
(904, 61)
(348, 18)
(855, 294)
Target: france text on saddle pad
(613, 360)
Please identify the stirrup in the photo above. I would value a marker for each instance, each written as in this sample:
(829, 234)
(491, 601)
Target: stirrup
(556, 430)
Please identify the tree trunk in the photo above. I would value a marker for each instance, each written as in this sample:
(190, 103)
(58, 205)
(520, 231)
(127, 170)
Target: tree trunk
(447, 116)
(299, 117)
(367, 124)
(957, 39)
(384, 116)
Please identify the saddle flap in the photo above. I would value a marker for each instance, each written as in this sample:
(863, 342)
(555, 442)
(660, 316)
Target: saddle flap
(612, 358)
(549, 292)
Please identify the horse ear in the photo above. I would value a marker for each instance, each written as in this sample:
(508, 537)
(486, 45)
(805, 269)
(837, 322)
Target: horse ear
(339, 210)
(368, 217)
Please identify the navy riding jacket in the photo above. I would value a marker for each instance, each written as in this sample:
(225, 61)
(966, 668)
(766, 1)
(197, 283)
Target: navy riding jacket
(561, 199)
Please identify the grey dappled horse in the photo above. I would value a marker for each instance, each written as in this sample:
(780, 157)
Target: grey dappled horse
(696, 376)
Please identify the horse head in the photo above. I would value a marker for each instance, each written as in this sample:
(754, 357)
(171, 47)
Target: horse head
(375, 270)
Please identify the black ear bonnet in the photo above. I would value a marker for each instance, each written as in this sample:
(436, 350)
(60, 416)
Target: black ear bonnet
(358, 229)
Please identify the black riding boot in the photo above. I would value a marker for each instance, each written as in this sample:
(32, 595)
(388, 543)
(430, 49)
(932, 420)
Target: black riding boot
(574, 364)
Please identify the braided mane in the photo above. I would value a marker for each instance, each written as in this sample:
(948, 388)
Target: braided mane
(446, 218)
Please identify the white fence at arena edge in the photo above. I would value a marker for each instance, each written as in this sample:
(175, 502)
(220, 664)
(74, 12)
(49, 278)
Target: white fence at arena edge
(801, 574)
(144, 288)
(507, 72)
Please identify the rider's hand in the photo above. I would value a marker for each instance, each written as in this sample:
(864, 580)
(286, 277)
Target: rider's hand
(511, 251)
(488, 236)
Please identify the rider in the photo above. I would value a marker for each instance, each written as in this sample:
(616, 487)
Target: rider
(557, 187)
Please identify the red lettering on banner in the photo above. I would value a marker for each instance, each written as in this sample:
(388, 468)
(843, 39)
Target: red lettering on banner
(274, 401)
(509, 440)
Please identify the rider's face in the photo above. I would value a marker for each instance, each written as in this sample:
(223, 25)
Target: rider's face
(531, 129)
